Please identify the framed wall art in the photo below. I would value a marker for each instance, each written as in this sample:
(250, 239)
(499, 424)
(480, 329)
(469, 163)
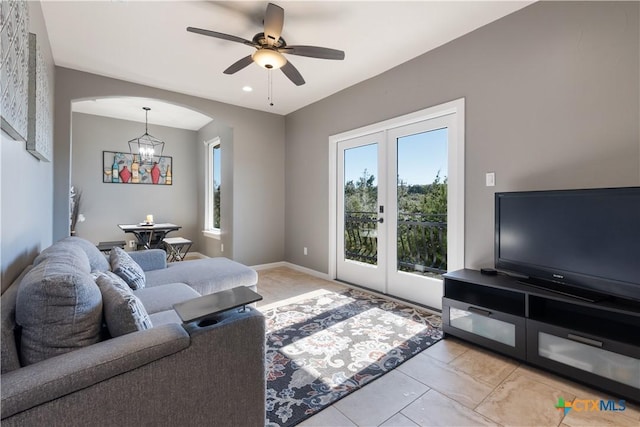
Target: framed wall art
(14, 70)
(125, 168)
(39, 138)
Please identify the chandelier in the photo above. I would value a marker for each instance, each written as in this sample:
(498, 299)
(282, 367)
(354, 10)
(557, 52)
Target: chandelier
(147, 147)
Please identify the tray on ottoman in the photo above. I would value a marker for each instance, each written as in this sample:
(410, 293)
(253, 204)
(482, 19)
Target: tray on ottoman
(211, 304)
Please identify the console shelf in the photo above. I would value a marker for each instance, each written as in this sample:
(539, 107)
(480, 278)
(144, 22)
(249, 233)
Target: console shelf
(597, 343)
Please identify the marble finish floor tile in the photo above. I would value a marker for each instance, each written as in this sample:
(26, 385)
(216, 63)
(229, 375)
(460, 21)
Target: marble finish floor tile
(570, 387)
(551, 380)
(447, 350)
(329, 417)
(583, 414)
(488, 367)
(435, 409)
(598, 419)
(398, 420)
(522, 401)
(446, 379)
(633, 410)
(381, 399)
(279, 284)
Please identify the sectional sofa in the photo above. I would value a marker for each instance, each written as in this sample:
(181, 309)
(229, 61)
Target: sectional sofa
(62, 365)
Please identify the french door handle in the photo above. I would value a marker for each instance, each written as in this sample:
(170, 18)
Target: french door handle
(380, 220)
(583, 340)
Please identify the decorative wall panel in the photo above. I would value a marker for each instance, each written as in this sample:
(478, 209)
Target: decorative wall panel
(39, 139)
(14, 84)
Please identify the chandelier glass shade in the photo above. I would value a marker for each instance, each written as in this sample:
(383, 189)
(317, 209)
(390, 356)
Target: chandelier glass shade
(147, 147)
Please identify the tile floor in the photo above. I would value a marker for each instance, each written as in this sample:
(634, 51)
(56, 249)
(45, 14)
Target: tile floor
(452, 383)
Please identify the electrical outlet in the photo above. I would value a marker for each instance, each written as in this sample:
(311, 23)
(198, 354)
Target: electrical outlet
(305, 250)
(132, 244)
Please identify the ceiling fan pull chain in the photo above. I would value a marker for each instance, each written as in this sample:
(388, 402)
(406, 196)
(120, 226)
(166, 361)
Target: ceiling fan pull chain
(270, 84)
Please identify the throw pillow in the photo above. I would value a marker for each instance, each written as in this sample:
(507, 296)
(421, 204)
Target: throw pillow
(124, 266)
(59, 308)
(123, 311)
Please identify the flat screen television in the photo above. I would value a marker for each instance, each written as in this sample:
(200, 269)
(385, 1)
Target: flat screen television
(572, 239)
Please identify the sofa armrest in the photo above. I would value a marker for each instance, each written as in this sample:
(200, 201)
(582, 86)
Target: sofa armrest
(151, 259)
(219, 376)
(58, 376)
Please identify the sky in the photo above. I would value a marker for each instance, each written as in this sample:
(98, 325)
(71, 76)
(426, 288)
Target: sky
(420, 157)
(217, 170)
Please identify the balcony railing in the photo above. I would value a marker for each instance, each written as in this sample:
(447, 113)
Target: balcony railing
(422, 240)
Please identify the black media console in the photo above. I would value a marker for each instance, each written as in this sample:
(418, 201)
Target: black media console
(594, 342)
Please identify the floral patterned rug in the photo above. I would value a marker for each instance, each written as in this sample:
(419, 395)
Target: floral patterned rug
(321, 349)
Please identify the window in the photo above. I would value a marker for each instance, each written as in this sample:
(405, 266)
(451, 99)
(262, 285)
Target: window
(212, 188)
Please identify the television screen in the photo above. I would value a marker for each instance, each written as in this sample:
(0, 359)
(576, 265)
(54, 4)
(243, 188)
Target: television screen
(585, 238)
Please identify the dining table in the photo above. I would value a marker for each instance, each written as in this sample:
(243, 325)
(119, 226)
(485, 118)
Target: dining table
(150, 235)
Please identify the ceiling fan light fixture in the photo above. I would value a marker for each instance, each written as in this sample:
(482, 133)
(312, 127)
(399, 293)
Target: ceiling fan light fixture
(269, 58)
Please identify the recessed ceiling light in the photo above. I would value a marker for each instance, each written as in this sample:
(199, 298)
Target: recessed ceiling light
(247, 89)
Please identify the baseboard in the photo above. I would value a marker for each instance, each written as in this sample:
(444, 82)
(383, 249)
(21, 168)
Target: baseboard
(308, 271)
(269, 265)
(195, 255)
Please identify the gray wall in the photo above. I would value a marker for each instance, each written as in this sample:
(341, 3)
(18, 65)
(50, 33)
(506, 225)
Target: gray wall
(258, 160)
(552, 94)
(26, 208)
(105, 204)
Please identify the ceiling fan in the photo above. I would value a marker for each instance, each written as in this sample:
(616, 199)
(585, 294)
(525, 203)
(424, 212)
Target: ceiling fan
(270, 47)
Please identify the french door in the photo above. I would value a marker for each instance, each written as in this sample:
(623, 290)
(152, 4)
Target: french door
(398, 203)
(362, 194)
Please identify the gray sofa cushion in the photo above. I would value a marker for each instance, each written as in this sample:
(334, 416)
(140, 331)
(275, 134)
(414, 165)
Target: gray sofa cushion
(161, 298)
(97, 260)
(10, 358)
(65, 252)
(123, 311)
(205, 275)
(77, 373)
(127, 268)
(58, 306)
(165, 317)
(150, 259)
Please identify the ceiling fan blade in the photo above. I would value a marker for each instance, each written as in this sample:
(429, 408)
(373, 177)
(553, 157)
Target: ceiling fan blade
(313, 52)
(293, 74)
(239, 65)
(220, 36)
(273, 23)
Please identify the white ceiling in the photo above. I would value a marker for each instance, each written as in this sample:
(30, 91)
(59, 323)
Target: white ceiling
(146, 42)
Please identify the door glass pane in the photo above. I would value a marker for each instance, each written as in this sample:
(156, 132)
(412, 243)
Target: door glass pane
(422, 203)
(361, 204)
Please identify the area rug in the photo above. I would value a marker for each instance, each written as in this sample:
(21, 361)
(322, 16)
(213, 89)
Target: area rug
(321, 349)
